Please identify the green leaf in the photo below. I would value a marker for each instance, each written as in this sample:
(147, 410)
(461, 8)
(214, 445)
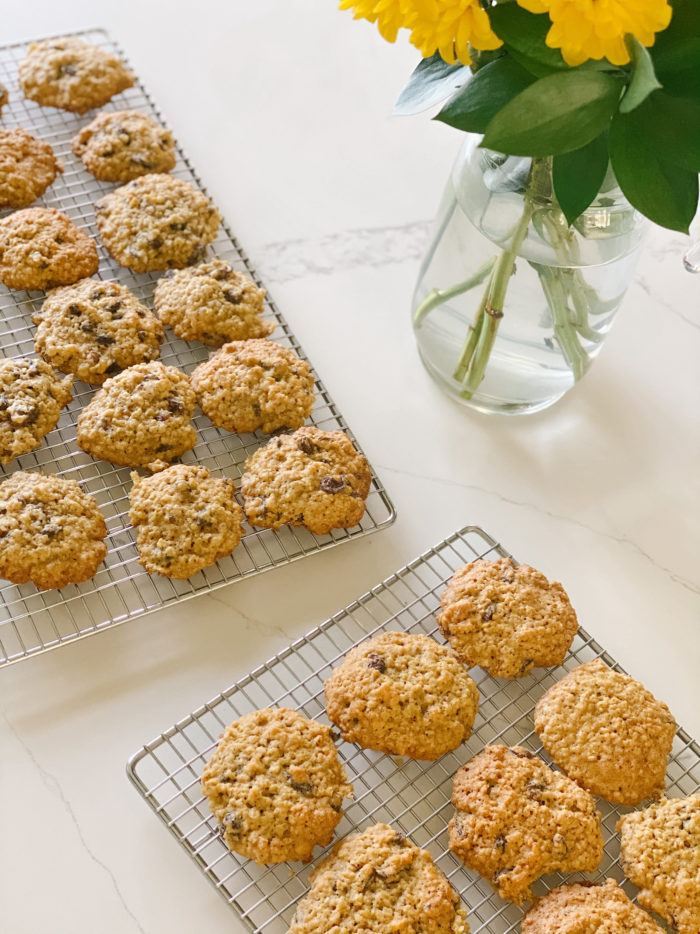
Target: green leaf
(432, 82)
(491, 88)
(679, 68)
(676, 51)
(672, 126)
(663, 191)
(579, 175)
(685, 23)
(644, 80)
(556, 114)
(523, 34)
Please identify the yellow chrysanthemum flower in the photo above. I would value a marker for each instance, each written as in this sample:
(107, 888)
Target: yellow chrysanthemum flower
(585, 29)
(389, 15)
(445, 26)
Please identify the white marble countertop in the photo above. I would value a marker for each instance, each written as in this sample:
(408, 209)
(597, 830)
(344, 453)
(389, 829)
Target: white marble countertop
(284, 108)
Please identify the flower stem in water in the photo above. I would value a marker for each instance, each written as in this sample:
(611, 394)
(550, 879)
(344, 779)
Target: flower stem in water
(439, 296)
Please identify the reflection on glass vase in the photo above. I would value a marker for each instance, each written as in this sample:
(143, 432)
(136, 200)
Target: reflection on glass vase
(512, 304)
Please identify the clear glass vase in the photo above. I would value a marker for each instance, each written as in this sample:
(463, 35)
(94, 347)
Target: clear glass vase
(512, 304)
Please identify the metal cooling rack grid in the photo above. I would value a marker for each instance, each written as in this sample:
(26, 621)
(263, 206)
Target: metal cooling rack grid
(412, 796)
(33, 621)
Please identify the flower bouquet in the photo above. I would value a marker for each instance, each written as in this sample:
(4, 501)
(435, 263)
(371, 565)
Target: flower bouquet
(584, 119)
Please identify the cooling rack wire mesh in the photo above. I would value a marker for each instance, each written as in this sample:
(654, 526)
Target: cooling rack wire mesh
(33, 621)
(414, 797)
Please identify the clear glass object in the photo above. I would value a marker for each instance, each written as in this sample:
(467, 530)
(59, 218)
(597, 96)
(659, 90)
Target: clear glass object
(512, 304)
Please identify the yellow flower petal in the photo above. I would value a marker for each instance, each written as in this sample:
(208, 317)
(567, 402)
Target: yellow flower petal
(584, 29)
(449, 27)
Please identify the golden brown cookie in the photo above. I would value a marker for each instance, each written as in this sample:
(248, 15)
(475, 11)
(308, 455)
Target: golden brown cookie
(403, 694)
(140, 417)
(156, 222)
(4, 96)
(95, 329)
(211, 303)
(276, 785)
(585, 908)
(310, 477)
(660, 849)
(40, 248)
(51, 533)
(186, 520)
(120, 145)
(607, 732)
(517, 819)
(71, 74)
(32, 395)
(27, 167)
(377, 882)
(254, 385)
(506, 619)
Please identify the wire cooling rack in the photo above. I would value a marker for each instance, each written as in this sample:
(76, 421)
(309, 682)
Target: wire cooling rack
(32, 621)
(413, 797)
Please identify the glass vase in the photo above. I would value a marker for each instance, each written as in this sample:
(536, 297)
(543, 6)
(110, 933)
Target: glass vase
(512, 303)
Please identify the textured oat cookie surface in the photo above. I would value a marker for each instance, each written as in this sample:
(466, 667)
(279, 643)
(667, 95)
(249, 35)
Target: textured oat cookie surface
(276, 785)
(661, 854)
(583, 908)
(506, 619)
(4, 96)
(118, 146)
(140, 418)
(41, 248)
(186, 519)
(309, 477)
(27, 167)
(51, 532)
(402, 694)
(95, 329)
(32, 395)
(254, 385)
(607, 732)
(516, 819)
(71, 74)
(376, 882)
(211, 303)
(156, 222)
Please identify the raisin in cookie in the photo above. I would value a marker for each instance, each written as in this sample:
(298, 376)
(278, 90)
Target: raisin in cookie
(95, 329)
(276, 785)
(40, 248)
(661, 854)
(517, 819)
(156, 222)
(254, 385)
(403, 694)
(186, 520)
(124, 144)
(375, 882)
(51, 533)
(140, 417)
(607, 732)
(585, 908)
(27, 167)
(71, 74)
(211, 303)
(31, 398)
(310, 477)
(506, 619)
